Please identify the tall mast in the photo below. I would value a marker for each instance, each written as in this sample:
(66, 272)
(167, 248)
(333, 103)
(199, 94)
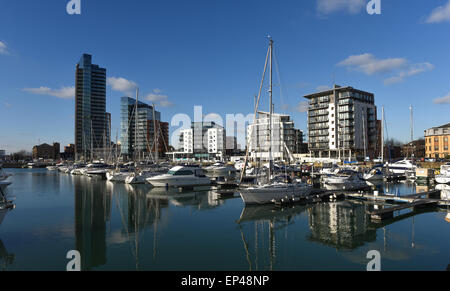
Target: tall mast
(411, 122)
(270, 109)
(136, 124)
(155, 142)
(364, 134)
(382, 134)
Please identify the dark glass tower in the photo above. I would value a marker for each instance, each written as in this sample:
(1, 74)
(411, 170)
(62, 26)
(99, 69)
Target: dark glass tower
(90, 108)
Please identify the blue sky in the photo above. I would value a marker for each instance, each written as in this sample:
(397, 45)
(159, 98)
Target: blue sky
(211, 53)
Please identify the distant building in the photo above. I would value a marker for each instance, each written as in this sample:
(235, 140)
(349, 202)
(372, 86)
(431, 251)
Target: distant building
(46, 151)
(415, 149)
(204, 140)
(231, 145)
(300, 147)
(2, 155)
(138, 134)
(436, 142)
(283, 137)
(342, 122)
(91, 127)
(69, 152)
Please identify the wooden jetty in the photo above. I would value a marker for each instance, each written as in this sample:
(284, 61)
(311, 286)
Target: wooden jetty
(413, 201)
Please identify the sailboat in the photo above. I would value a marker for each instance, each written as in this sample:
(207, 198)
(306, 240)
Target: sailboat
(275, 190)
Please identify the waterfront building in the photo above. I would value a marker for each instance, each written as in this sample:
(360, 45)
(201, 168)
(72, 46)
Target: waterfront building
(69, 152)
(204, 140)
(137, 135)
(415, 149)
(91, 126)
(437, 142)
(46, 151)
(342, 122)
(2, 155)
(284, 137)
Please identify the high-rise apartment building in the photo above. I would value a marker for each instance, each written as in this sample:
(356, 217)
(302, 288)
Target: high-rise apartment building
(138, 134)
(342, 122)
(91, 128)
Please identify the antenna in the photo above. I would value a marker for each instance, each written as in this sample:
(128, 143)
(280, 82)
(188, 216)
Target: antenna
(411, 122)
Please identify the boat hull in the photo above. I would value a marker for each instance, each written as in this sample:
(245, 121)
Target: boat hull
(179, 182)
(261, 196)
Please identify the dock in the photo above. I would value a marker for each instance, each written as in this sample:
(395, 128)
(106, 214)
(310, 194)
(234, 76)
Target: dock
(413, 201)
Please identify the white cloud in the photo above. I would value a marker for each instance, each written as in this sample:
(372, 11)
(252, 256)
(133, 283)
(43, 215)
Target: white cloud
(3, 48)
(440, 14)
(370, 65)
(397, 68)
(412, 70)
(7, 104)
(122, 85)
(64, 92)
(161, 99)
(443, 100)
(330, 6)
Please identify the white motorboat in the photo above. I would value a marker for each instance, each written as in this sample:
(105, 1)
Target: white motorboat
(181, 176)
(221, 169)
(52, 168)
(401, 167)
(345, 180)
(374, 175)
(442, 179)
(445, 169)
(96, 170)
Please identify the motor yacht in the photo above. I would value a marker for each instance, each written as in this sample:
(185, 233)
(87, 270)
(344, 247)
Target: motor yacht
(345, 180)
(181, 176)
(401, 167)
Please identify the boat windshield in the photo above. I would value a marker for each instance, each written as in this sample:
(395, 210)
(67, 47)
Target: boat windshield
(180, 173)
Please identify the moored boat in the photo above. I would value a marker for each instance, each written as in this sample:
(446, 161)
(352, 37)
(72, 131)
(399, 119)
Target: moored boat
(181, 176)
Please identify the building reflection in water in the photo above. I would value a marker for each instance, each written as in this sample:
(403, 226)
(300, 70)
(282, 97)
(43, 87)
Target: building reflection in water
(92, 212)
(342, 225)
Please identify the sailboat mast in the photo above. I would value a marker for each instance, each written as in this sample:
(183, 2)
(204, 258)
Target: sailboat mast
(270, 110)
(382, 134)
(136, 125)
(155, 142)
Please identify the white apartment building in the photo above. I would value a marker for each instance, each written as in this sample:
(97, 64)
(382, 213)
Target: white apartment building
(283, 137)
(203, 140)
(342, 122)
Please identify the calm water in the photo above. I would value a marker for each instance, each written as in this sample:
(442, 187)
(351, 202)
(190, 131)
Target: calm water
(122, 227)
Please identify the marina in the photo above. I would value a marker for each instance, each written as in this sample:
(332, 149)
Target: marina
(117, 226)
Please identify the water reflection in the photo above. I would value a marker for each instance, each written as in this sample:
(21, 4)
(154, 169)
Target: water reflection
(92, 212)
(266, 218)
(6, 259)
(342, 225)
